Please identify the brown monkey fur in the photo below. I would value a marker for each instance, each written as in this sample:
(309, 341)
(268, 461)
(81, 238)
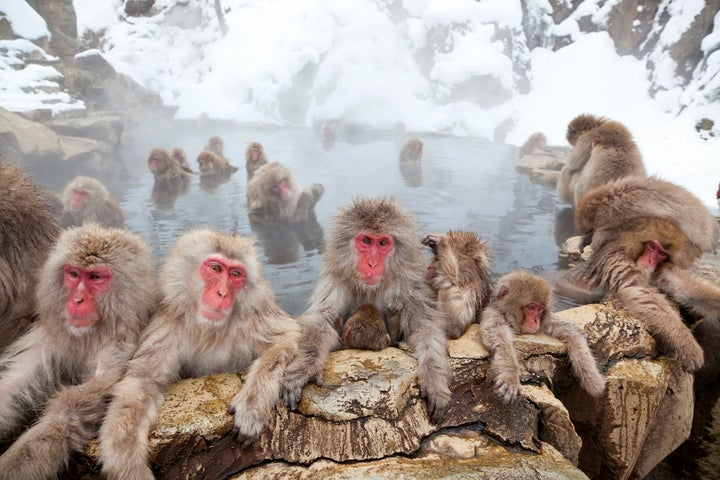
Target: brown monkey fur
(365, 330)
(178, 154)
(211, 164)
(167, 172)
(402, 296)
(459, 273)
(502, 319)
(215, 145)
(537, 144)
(603, 150)
(99, 207)
(619, 219)
(28, 231)
(411, 151)
(262, 201)
(63, 373)
(256, 333)
(251, 165)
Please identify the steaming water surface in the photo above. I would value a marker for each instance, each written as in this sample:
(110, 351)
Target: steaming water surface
(463, 184)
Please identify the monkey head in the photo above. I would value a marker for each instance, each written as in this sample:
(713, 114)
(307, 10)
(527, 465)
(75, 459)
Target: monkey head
(253, 152)
(223, 270)
(90, 270)
(373, 238)
(207, 162)
(524, 300)
(612, 134)
(158, 160)
(81, 191)
(581, 124)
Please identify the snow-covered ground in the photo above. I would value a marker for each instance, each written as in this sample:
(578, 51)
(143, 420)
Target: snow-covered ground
(366, 60)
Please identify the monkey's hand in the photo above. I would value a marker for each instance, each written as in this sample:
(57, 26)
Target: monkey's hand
(247, 425)
(437, 403)
(507, 386)
(432, 240)
(691, 357)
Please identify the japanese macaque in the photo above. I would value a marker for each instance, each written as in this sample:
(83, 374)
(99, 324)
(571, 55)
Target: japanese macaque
(29, 230)
(373, 257)
(95, 294)
(273, 193)
(211, 164)
(215, 145)
(412, 151)
(603, 150)
(645, 235)
(537, 144)
(459, 273)
(254, 158)
(86, 200)
(521, 304)
(365, 330)
(168, 172)
(178, 154)
(217, 314)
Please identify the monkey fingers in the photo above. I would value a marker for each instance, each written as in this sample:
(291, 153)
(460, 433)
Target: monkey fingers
(507, 387)
(432, 240)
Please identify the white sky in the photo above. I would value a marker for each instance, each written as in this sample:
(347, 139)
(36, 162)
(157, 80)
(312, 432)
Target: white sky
(368, 72)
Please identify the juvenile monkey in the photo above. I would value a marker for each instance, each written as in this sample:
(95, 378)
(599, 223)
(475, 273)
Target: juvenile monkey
(521, 304)
(215, 145)
(365, 330)
(29, 230)
(411, 151)
(459, 273)
(95, 294)
(179, 156)
(373, 257)
(603, 150)
(211, 164)
(254, 158)
(217, 314)
(274, 194)
(86, 200)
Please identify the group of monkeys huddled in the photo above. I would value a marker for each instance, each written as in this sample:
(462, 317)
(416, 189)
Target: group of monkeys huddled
(110, 332)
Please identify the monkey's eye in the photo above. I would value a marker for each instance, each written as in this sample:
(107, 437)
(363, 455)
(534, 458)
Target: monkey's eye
(384, 242)
(73, 273)
(216, 267)
(237, 273)
(366, 240)
(94, 276)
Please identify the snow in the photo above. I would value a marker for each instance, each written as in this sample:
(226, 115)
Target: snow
(374, 62)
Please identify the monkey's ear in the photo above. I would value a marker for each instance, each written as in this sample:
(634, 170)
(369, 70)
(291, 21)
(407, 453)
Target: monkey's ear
(502, 291)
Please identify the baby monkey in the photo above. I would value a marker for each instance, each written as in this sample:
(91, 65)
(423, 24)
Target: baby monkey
(521, 304)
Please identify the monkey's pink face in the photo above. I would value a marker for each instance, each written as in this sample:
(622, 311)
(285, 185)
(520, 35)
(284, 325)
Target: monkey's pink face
(223, 278)
(254, 154)
(154, 163)
(83, 286)
(78, 198)
(653, 255)
(281, 188)
(532, 317)
(372, 250)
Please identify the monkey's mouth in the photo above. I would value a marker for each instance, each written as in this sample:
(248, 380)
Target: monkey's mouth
(80, 321)
(213, 314)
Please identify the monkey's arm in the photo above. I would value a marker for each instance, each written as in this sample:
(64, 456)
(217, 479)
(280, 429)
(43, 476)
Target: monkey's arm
(27, 375)
(504, 365)
(582, 361)
(71, 418)
(429, 344)
(700, 296)
(317, 339)
(123, 437)
(663, 321)
(253, 405)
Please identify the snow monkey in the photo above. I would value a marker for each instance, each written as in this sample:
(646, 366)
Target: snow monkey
(646, 235)
(373, 256)
(365, 330)
(95, 294)
(86, 200)
(521, 304)
(28, 231)
(167, 171)
(459, 273)
(274, 194)
(254, 158)
(411, 151)
(603, 150)
(217, 314)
